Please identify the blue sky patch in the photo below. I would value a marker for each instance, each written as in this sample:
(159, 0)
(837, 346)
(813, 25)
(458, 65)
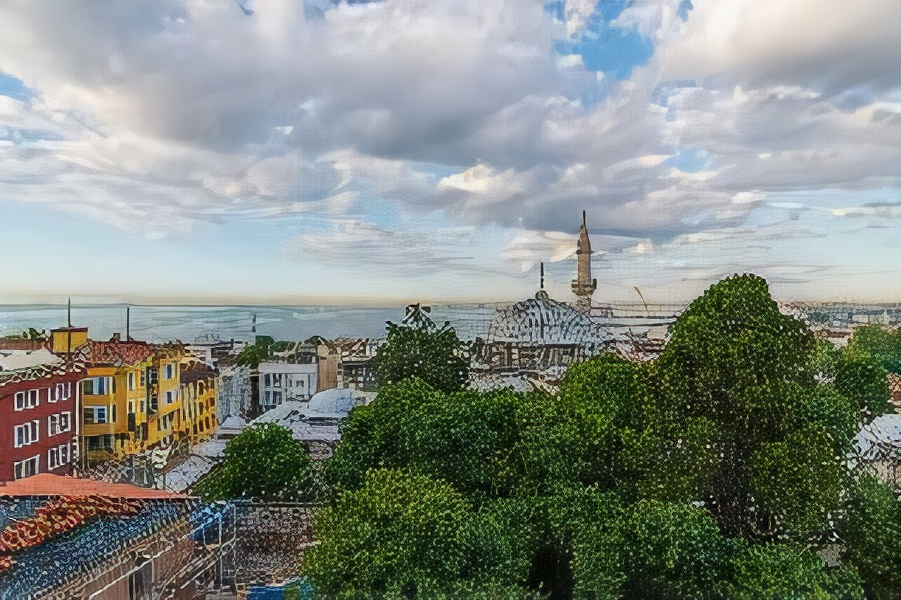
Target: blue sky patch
(13, 87)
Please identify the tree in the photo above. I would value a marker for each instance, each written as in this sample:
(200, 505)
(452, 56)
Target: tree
(738, 365)
(774, 571)
(253, 354)
(880, 342)
(418, 348)
(872, 534)
(264, 462)
(403, 535)
(715, 471)
(486, 445)
(607, 394)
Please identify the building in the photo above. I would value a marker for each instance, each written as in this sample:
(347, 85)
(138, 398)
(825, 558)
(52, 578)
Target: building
(296, 373)
(39, 403)
(540, 336)
(356, 366)
(64, 538)
(198, 418)
(286, 382)
(165, 393)
(877, 449)
(115, 398)
(131, 396)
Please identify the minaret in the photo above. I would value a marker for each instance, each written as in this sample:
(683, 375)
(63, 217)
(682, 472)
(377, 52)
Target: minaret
(583, 285)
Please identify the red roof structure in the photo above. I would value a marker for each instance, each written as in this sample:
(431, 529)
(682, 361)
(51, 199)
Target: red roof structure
(115, 352)
(47, 484)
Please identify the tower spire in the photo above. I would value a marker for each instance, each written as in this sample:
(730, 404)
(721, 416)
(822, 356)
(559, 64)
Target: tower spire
(583, 285)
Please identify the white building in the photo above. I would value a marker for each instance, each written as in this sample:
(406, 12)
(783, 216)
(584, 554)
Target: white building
(286, 381)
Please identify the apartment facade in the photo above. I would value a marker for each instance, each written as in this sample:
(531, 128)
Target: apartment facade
(131, 396)
(38, 415)
(198, 418)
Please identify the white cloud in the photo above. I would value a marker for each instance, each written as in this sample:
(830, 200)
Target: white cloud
(153, 116)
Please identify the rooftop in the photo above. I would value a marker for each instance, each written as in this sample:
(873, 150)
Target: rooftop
(47, 484)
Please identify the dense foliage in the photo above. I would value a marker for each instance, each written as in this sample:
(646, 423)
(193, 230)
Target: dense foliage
(419, 348)
(718, 470)
(253, 354)
(264, 462)
(881, 343)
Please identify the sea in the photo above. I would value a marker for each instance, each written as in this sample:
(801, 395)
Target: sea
(189, 323)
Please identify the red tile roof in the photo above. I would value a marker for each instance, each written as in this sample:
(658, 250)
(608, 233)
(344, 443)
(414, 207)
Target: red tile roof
(116, 353)
(47, 484)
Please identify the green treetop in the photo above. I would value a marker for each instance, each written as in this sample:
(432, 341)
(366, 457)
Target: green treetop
(419, 348)
(265, 463)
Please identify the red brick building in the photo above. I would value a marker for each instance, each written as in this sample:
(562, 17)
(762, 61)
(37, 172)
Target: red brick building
(39, 403)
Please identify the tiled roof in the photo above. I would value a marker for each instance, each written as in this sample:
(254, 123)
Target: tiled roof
(40, 372)
(47, 484)
(196, 371)
(115, 353)
(63, 559)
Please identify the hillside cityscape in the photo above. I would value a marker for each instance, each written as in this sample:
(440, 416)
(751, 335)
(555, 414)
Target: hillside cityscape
(136, 446)
(450, 300)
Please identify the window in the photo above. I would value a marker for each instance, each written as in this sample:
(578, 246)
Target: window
(276, 398)
(113, 419)
(131, 406)
(27, 467)
(142, 377)
(51, 395)
(267, 380)
(170, 371)
(95, 415)
(276, 380)
(27, 434)
(143, 406)
(58, 423)
(131, 381)
(28, 399)
(61, 391)
(101, 442)
(96, 386)
(57, 457)
(267, 398)
(164, 423)
(170, 396)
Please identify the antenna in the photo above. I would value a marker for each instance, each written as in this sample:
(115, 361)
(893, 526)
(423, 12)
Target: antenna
(127, 323)
(584, 220)
(542, 276)
(69, 332)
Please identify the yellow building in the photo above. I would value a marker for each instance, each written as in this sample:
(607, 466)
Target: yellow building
(114, 398)
(131, 398)
(165, 394)
(198, 418)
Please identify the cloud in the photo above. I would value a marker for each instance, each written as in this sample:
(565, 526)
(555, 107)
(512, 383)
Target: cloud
(157, 116)
(411, 252)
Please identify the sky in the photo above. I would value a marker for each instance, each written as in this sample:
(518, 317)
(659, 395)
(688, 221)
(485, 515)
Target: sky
(337, 151)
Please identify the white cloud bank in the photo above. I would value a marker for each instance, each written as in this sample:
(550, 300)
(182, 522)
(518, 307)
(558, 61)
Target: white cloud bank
(153, 116)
